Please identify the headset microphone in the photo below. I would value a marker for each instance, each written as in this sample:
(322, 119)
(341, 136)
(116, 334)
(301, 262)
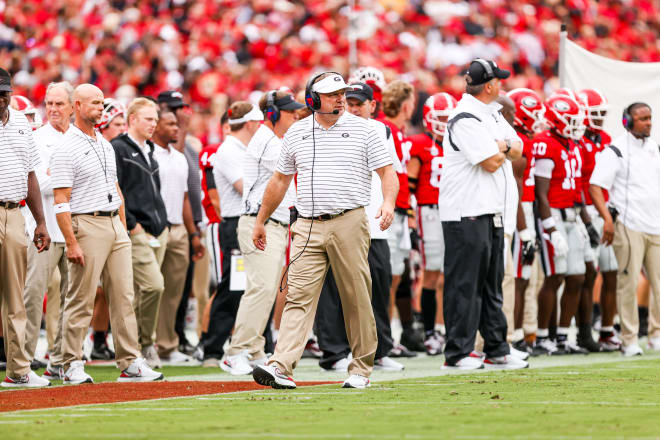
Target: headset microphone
(334, 112)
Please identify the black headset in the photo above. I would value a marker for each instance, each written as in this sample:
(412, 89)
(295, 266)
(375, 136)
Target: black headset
(312, 98)
(272, 110)
(627, 119)
(487, 67)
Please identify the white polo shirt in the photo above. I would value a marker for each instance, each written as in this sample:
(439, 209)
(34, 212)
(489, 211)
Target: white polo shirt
(467, 190)
(173, 173)
(261, 156)
(46, 138)
(632, 180)
(88, 166)
(227, 170)
(376, 200)
(343, 157)
(18, 157)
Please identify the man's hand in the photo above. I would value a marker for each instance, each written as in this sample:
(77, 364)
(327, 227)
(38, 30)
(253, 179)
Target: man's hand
(74, 254)
(41, 238)
(136, 230)
(386, 215)
(559, 243)
(259, 236)
(198, 248)
(502, 146)
(608, 232)
(528, 246)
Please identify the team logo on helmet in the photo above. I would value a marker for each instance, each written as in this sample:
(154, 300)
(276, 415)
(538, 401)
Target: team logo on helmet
(561, 106)
(529, 101)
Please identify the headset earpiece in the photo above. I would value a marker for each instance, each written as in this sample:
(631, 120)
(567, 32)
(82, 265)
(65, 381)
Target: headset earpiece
(312, 99)
(626, 119)
(272, 110)
(487, 67)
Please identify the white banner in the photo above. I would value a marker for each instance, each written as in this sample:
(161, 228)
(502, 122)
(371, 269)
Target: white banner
(621, 82)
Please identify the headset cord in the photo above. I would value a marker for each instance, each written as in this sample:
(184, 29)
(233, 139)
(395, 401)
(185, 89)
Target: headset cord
(625, 210)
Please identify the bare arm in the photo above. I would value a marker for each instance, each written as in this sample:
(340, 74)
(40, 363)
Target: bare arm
(413, 167)
(275, 191)
(542, 187)
(193, 233)
(493, 163)
(390, 187)
(215, 201)
(73, 251)
(33, 201)
(516, 150)
(238, 186)
(519, 166)
(596, 193)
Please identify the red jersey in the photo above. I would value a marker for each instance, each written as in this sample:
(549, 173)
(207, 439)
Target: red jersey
(206, 159)
(402, 146)
(590, 147)
(528, 183)
(563, 153)
(430, 155)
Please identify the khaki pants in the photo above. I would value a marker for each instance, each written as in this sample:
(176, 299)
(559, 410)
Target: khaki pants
(633, 250)
(174, 267)
(263, 270)
(530, 313)
(148, 282)
(56, 285)
(200, 284)
(508, 294)
(342, 243)
(107, 252)
(40, 267)
(13, 267)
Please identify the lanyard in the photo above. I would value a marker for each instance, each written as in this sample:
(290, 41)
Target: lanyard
(104, 164)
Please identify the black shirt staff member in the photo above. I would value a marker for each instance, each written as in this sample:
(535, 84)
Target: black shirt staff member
(471, 204)
(334, 153)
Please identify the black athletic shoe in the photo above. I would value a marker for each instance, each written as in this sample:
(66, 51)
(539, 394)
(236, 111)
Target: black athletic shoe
(102, 353)
(413, 340)
(522, 345)
(37, 365)
(565, 347)
(399, 351)
(187, 348)
(586, 340)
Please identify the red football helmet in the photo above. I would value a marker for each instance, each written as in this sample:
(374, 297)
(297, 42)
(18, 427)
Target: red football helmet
(564, 114)
(596, 107)
(371, 76)
(24, 105)
(581, 104)
(436, 112)
(529, 109)
(111, 109)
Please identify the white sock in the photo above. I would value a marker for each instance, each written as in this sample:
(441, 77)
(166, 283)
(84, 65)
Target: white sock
(518, 334)
(562, 331)
(542, 333)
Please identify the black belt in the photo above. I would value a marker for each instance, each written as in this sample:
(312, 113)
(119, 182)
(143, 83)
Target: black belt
(431, 205)
(100, 213)
(324, 217)
(270, 219)
(10, 205)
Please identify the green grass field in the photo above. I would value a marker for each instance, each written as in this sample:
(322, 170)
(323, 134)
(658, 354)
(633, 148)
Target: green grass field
(599, 397)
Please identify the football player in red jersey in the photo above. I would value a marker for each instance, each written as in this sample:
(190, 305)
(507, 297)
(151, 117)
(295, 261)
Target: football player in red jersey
(528, 120)
(594, 141)
(25, 106)
(563, 243)
(424, 171)
(398, 105)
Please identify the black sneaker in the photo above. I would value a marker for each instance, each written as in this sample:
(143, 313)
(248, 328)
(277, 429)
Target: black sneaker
(412, 340)
(565, 347)
(545, 346)
(187, 348)
(399, 351)
(523, 346)
(102, 353)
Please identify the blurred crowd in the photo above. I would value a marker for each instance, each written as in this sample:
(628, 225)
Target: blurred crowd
(217, 51)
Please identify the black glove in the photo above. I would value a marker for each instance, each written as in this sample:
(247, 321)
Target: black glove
(528, 251)
(594, 237)
(414, 240)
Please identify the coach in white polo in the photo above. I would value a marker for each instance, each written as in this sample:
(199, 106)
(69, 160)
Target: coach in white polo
(473, 193)
(630, 170)
(90, 213)
(333, 153)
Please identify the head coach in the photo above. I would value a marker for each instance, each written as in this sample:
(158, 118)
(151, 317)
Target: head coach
(473, 193)
(333, 152)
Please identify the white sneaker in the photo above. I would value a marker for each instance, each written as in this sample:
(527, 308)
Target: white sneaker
(434, 344)
(507, 362)
(256, 362)
(76, 374)
(271, 376)
(387, 364)
(522, 355)
(139, 371)
(30, 380)
(180, 359)
(631, 350)
(341, 365)
(654, 344)
(53, 372)
(237, 364)
(356, 381)
(467, 363)
(150, 355)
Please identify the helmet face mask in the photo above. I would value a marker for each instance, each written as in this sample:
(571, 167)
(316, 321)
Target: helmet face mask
(436, 113)
(596, 108)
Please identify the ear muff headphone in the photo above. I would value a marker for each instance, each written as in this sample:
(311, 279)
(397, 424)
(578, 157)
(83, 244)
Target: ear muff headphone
(272, 110)
(627, 119)
(312, 98)
(487, 67)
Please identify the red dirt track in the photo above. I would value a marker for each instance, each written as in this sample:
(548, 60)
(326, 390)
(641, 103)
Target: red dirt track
(109, 392)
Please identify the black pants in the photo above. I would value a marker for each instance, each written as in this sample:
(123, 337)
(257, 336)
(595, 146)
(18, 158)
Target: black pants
(225, 304)
(474, 269)
(329, 326)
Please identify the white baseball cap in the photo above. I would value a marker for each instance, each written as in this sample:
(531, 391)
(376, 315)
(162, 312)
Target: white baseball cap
(330, 84)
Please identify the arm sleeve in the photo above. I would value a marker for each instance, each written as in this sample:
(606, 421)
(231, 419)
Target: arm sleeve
(210, 180)
(543, 167)
(377, 154)
(607, 166)
(474, 140)
(61, 168)
(286, 163)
